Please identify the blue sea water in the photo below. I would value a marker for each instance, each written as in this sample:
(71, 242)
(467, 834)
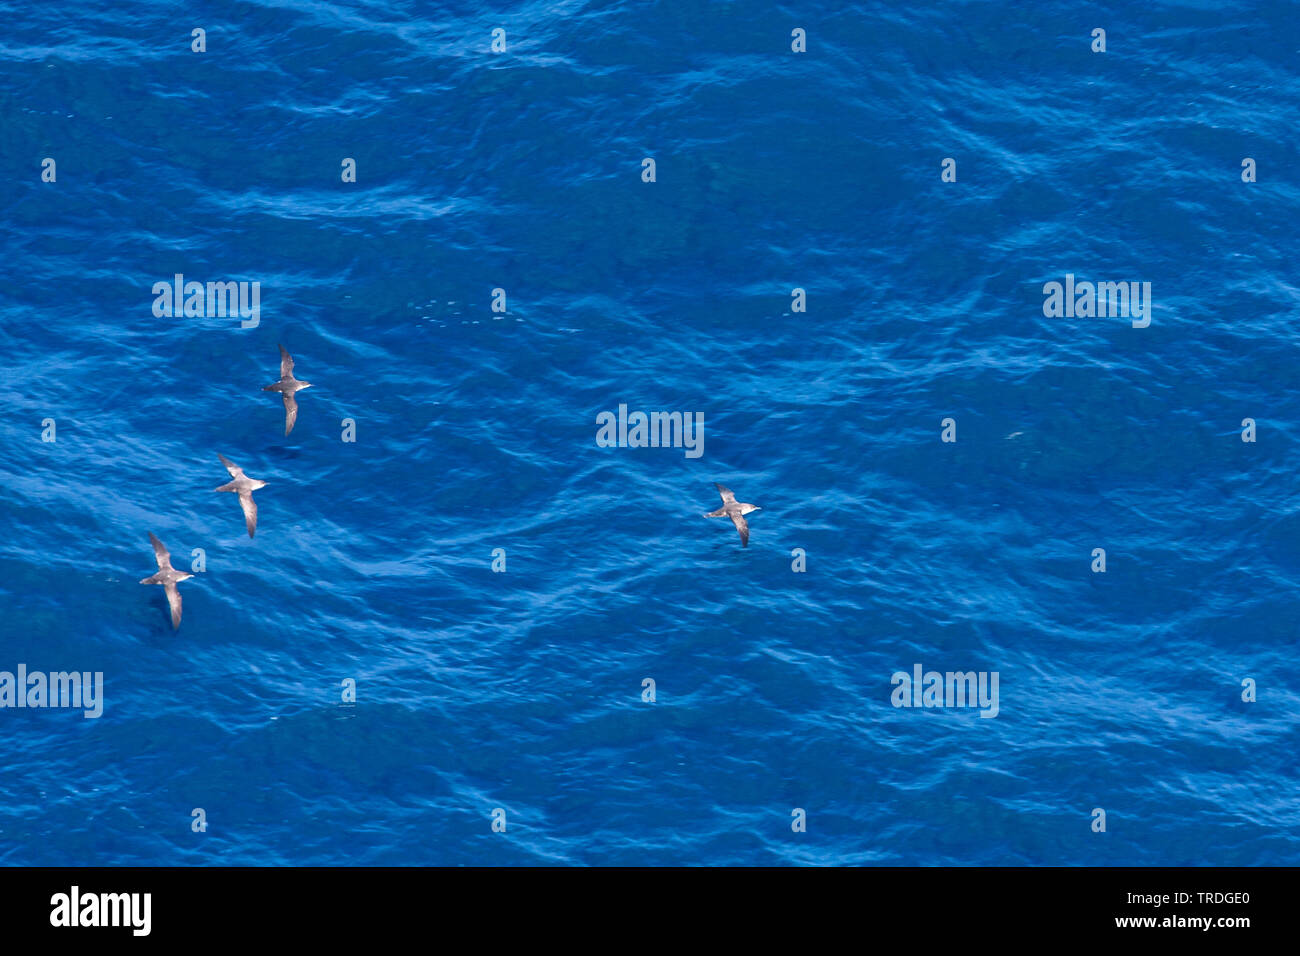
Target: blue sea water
(476, 430)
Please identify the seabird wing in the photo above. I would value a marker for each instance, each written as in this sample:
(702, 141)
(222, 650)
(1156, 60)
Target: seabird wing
(160, 553)
(742, 526)
(250, 510)
(727, 495)
(174, 601)
(286, 363)
(235, 470)
(290, 412)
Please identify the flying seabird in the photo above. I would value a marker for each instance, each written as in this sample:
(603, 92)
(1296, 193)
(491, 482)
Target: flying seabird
(287, 386)
(735, 511)
(243, 486)
(167, 576)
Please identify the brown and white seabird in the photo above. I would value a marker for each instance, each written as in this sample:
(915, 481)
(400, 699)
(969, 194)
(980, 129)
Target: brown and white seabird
(243, 486)
(167, 576)
(735, 510)
(287, 386)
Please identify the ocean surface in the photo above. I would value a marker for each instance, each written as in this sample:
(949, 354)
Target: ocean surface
(517, 696)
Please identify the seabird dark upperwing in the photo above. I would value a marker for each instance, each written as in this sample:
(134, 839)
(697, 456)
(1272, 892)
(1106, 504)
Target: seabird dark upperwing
(250, 511)
(742, 526)
(286, 364)
(727, 495)
(235, 470)
(160, 553)
(174, 602)
(290, 412)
